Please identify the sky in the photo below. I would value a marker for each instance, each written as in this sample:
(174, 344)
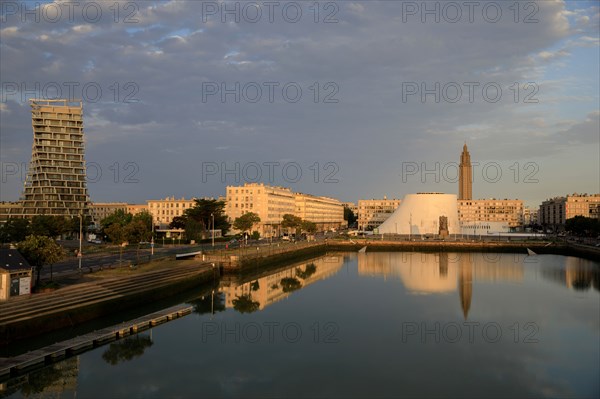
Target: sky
(347, 99)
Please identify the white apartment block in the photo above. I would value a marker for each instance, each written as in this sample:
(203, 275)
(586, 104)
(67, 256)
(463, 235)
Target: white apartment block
(509, 211)
(373, 212)
(270, 203)
(164, 210)
(327, 213)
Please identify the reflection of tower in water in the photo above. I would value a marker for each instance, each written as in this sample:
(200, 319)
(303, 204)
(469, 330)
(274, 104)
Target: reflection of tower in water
(465, 283)
(441, 273)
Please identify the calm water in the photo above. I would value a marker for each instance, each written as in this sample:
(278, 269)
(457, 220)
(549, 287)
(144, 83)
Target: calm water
(363, 325)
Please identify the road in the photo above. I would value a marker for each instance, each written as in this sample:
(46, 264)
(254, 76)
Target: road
(97, 261)
(102, 260)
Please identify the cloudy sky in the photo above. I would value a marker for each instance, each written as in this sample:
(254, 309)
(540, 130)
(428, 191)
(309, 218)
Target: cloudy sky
(347, 99)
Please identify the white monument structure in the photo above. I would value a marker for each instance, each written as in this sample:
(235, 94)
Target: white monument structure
(420, 214)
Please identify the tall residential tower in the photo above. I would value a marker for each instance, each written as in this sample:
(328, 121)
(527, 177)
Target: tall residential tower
(56, 179)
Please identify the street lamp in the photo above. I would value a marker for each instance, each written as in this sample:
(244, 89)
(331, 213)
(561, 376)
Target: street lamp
(212, 215)
(152, 238)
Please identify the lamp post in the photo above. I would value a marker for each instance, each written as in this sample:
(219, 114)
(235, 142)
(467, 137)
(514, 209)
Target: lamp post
(212, 215)
(152, 238)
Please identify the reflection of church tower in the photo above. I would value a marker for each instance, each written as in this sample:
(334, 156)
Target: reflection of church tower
(465, 283)
(465, 176)
(443, 264)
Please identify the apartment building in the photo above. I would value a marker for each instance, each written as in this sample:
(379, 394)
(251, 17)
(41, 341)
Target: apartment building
(164, 210)
(554, 212)
(373, 212)
(508, 211)
(270, 203)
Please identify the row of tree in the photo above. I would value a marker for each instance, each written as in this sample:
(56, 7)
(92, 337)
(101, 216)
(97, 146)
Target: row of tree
(582, 226)
(245, 223)
(208, 214)
(16, 229)
(120, 227)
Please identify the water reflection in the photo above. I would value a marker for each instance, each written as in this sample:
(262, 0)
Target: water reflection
(127, 349)
(213, 303)
(575, 273)
(57, 380)
(371, 356)
(249, 294)
(439, 273)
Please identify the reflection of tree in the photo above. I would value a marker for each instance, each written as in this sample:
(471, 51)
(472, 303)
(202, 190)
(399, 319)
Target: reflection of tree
(245, 304)
(309, 270)
(209, 303)
(582, 284)
(53, 380)
(126, 349)
(290, 284)
(39, 380)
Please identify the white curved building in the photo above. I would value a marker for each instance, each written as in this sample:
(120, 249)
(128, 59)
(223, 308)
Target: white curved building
(419, 214)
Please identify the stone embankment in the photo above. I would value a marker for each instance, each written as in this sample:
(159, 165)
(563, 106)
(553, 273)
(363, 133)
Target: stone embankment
(26, 316)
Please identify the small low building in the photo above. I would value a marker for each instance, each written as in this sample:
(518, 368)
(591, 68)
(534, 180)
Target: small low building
(15, 274)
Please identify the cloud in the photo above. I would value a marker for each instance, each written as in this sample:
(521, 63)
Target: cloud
(164, 60)
(586, 132)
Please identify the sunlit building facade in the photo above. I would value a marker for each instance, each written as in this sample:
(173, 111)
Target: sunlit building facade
(164, 210)
(270, 203)
(506, 211)
(326, 213)
(373, 212)
(554, 212)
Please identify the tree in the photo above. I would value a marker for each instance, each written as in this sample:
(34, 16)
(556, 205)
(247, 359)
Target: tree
(290, 284)
(73, 225)
(178, 222)
(246, 221)
(309, 227)
(137, 231)
(349, 216)
(209, 303)
(119, 217)
(245, 304)
(308, 271)
(39, 380)
(127, 349)
(194, 230)
(198, 219)
(39, 251)
(14, 230)
(204, 210)
(291, 222)
(50, 226)
(145, 218)
(583, 226)
(117, 235)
